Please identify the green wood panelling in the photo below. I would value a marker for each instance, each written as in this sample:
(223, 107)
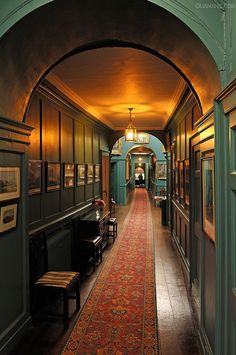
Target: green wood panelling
(188, 122)
(67, 136)
(96, 152)
(33, 118)
(80, 195)
(67, 198)
(89, 192)
(182, 140)
(67, 133)
(50, 132)
(14, 271)
(79, 142)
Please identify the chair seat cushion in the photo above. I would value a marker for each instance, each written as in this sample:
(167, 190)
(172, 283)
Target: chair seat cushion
(61, 279)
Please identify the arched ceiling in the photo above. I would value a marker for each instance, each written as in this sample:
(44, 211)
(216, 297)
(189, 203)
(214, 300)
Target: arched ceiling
(107, 81)
(54, 31)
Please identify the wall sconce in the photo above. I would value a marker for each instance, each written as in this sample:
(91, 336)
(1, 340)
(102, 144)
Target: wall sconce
(130, 131)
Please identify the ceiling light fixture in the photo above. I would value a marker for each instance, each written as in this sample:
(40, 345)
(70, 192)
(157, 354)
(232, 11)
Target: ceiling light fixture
(130, 131)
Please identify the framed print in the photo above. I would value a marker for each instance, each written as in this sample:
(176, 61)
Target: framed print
(117, 148)
(181, 179)
(9, 183)
(142, 138)
(80, 177)
(8, 217)
(161, 170)
(69, 175)
(177, 178)
(208, 199)
(90, 173)
(173, 156)
(127, 169)
(35, 176)
(53, 176)
(173, 183)
(97, 169)
(186, 181)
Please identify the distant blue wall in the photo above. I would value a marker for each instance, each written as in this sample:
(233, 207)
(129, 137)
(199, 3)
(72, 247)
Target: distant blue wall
(119, 186)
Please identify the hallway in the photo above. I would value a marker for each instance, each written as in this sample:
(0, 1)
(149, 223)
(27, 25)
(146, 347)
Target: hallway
(177, 335)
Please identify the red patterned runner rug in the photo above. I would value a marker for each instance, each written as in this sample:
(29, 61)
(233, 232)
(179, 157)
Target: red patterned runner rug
(119, 316)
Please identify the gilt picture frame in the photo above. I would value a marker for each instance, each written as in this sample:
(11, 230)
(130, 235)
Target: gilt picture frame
(177, 179)
(81, 174)
(186, 181)
(53, 176)
(97, 172)
(142, 138)
(161, 170)
(69, 175)
(9, 183)
(35, 177)
(8, 217)
(90, 173)
(208, 197)
(181, 180)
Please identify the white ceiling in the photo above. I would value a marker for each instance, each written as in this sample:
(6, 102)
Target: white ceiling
(107, 81)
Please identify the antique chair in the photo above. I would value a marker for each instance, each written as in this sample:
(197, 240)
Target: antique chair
(112, 228)
(50, 286)
(113, 207)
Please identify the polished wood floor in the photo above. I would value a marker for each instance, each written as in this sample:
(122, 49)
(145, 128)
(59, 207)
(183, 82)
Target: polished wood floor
(177, 333)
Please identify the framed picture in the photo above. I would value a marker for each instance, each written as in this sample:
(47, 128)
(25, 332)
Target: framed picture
(127, 169)
(69, 175)
(161, 170)
(173, 156)
(9, 183)
(208, 199)
(117, 148)
(8, 217)
(186, 181)
(80, 177)
(177, 178)
(53, 176)
(181, 179)
(173, 183)
(35, 177)
(142, 138)
(90, 173)
(97, 170)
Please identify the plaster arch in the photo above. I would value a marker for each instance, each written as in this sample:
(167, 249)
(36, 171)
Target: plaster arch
(43, 38)
(115, 135)
(139, 146)
(155, 145)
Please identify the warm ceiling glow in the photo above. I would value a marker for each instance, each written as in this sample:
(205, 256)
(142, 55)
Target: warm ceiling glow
(139, 108)
(110, 80)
